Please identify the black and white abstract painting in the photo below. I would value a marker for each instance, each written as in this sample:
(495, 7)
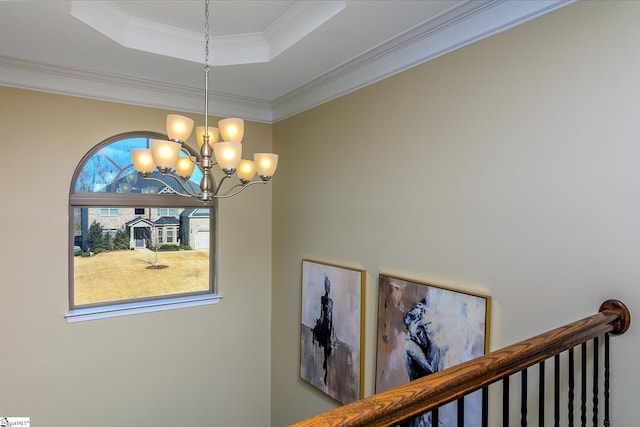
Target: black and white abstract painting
(331, 331)
(423, 329)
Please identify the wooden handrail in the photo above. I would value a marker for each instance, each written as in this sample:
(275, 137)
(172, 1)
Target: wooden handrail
(427, 393)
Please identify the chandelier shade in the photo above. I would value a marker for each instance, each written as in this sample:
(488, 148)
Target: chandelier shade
(266, 164)
(143, 161)
(179, 127)
(231, 129)
(246, 170)
(185, 167)
(214, 134)
(228, 155)
(165, 154)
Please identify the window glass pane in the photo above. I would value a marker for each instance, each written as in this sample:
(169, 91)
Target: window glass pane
(109, 165)
(108, 211)
(120, 257)
(110, 170)
(167, 211)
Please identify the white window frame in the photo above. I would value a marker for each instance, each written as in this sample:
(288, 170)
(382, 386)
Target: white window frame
(110, 211)
(149, 201)
(167, 212)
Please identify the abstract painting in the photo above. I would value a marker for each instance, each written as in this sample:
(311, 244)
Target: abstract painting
(424, 328)
(331, 331)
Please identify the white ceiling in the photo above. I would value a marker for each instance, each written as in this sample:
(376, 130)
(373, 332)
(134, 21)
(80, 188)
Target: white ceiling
(269, 59)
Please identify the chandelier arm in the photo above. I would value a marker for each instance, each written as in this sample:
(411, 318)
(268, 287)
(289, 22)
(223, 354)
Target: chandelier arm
(191, 187)
(242, 187)
(186, 190)
(219, 186)
(181, 182)
(192, 158)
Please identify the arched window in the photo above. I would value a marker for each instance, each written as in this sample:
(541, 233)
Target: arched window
(135, 244)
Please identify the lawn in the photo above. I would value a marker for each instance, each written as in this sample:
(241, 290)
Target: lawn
(122, 275)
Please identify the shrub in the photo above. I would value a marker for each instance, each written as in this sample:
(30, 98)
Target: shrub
(121, 241)
(94, 236)
(96, 251)
(107, 242)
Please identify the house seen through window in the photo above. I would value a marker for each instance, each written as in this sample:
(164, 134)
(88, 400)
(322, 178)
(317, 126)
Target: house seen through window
(134, 239)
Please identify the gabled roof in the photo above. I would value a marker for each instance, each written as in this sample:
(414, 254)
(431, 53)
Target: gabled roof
(166, 185)
(139, 222)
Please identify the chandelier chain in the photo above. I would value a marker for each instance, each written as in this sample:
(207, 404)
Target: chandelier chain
(206, 35)
(206, 70)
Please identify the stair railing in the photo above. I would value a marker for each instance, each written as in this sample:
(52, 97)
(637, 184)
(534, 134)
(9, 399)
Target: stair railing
(430, 393)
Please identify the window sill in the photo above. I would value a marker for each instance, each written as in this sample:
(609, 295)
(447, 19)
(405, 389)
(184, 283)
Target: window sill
(117, 310)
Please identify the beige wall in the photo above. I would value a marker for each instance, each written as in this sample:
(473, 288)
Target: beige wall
(198, 366)
(509, 168)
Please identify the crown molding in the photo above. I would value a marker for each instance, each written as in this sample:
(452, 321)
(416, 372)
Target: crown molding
(454, 29)
(236, 49)
(297, 22)
(114, 88)
(472, 21)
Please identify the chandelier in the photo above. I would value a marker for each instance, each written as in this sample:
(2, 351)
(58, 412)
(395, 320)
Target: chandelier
(164, 155)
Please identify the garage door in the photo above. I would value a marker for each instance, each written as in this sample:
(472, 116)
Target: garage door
(202, 240)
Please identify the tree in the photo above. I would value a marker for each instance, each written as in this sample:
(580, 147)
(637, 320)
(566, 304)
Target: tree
(94, 236)
(107, 242)
(153, 242)
(121, 240)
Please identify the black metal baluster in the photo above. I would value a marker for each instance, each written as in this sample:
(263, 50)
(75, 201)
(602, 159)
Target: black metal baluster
(583, 386)
(461, 412)
(596, 350)
(541, 396)
(556, 392)
(485, 406)
(505, 402)
(435, 417)
(572, 384)
(523, 400)
(607, 423)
